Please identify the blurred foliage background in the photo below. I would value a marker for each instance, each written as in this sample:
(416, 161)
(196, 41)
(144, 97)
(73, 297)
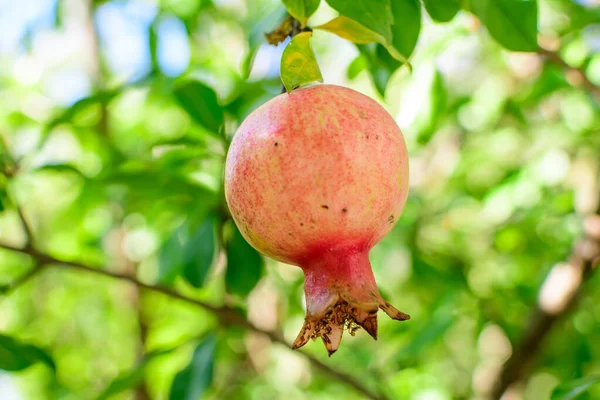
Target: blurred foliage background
(115, 118)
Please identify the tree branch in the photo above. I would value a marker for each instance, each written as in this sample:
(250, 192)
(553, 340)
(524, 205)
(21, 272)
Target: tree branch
(555, 58)
(22, 280)
(581, 265)
(225, 315)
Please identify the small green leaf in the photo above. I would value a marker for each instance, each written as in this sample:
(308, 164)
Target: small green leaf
(196, 378)
(356, 66)
(407, 25)
(570, 390)
(201, 103)
(351, 30)
(131, 378)
(301, 9)
(380, 63)
(375, 15)
(244, 265)
(17, 356)
(442, 10)
(200, 253)
(298, 63)
(432, 103)
(513, 23)
(189, 252)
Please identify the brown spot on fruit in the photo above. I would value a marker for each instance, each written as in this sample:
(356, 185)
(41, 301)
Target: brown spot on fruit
(344, 210)
(325, 206)
(276, 144)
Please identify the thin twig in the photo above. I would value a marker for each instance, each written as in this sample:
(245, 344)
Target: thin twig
(11, 171)
(226, 315)
(555, 58)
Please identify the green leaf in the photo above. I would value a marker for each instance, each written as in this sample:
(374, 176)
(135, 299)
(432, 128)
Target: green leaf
(432, 103)
(301, 9)
(442, 10)
(189, 252)
(196, 378)
(244, 265)
(375, 15)
(17, 356)
(351, 30)
(298, 63)
(513, 23)
(404, 34)
(571, 390)
(407, 25)
(131, 378)
(356, 66)
(380, 63)
(201, 103)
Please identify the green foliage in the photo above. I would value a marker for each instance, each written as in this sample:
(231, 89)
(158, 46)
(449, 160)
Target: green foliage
(298, 63)
(192, 382)
(350, 30)
(442, 10)
(406, 25)
(189, 252)
(17, 356)
(573, 389)
(201, 103)
(130, 379)
(301, 9)
(373, 14)
(244, 265)
(123, 169)
(513, 23)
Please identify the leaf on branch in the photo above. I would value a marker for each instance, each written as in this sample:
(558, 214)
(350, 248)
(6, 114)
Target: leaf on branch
(17, 356)
(572, 389)
(301, 9)
(299, 64)
(375, 15)
(442, 10)
(189, 252)
(512, 23)
(351, 30)
(196, 378)
(201, 103)
(244, 265)
(406, 27)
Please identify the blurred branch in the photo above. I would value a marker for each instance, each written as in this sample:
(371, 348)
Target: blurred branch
(558, 296)
(579, 73)
(22, 280)
(10, 171)
(226, 315)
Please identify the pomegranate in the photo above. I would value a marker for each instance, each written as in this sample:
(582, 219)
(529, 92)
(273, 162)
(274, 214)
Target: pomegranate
(315, 178)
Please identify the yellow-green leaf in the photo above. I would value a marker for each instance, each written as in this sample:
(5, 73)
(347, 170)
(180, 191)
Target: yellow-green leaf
(351, 30)
(357, 33)
(301, 9)
(299, 64)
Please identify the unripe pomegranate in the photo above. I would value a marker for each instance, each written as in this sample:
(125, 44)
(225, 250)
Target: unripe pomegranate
(315, 178)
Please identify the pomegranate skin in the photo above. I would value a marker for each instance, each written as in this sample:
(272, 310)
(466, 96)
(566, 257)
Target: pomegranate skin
(315, 178)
